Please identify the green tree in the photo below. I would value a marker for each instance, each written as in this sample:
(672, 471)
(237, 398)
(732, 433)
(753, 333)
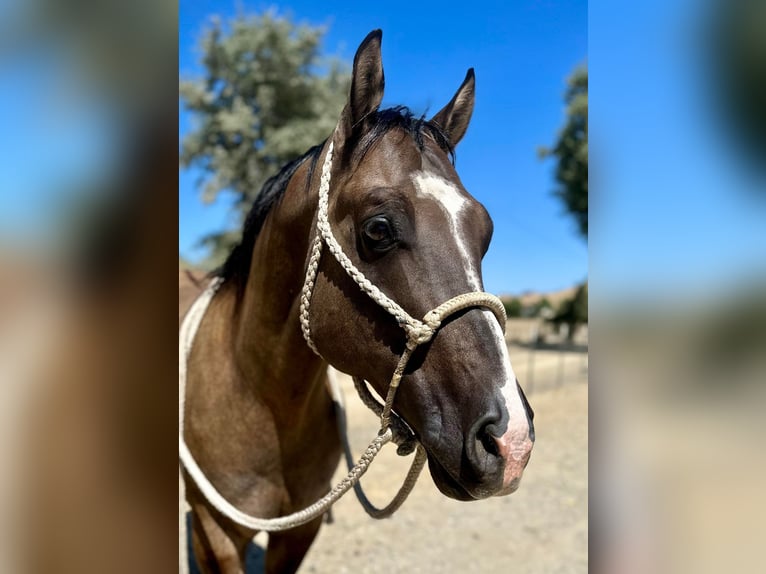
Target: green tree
(512, 307)
(736, 54)
(267, 95)
(538, 309)
(571, 151)
(573, 312)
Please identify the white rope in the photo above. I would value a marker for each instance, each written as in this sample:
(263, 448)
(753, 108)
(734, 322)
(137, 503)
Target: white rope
(189, 327)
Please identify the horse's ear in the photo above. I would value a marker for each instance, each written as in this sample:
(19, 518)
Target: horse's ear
(454, 117)
(367, 84)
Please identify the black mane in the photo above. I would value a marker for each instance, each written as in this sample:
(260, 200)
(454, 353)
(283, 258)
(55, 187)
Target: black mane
(237, 266)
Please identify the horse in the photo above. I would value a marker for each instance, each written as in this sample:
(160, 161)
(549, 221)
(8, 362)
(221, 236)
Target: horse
(259, 418)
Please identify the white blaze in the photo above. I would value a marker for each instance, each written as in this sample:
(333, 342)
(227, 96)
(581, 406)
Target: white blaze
(515, 445)
(452, 202)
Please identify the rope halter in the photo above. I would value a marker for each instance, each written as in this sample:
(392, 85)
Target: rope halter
(418, 332)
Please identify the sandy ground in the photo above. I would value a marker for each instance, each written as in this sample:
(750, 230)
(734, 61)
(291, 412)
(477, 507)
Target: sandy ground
(542, 528)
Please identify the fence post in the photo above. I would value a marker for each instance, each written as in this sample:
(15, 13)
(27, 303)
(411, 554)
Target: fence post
(531, 359)
(562, 354)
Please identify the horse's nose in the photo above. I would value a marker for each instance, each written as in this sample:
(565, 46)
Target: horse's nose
(481, 446)
(499, 451)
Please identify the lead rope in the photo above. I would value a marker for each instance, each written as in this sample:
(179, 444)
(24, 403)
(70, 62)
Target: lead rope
(188, 330)
(418, 332)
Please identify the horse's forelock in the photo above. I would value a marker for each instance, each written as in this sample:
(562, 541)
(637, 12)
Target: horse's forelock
(400, 117)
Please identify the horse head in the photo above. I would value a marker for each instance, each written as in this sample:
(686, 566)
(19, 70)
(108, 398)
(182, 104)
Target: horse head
(401, 214)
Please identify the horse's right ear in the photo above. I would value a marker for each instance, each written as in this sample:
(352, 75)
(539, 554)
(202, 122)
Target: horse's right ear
(367, 84)
(454, 117)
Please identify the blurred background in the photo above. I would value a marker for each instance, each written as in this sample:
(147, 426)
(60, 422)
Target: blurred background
(677, 270)
(88, 332)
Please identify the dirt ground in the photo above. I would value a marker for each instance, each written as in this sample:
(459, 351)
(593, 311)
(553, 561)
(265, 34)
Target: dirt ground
(542, 528)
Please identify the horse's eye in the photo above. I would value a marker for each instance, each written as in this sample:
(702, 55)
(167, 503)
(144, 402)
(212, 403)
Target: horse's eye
(378, 234)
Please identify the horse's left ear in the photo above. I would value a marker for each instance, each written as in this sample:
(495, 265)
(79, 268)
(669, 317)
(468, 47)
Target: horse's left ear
(367, 83)
(454, 117)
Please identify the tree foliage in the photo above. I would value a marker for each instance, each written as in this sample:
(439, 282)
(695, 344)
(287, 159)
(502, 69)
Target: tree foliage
(574, 311)
(512, 306)
(571, 151)
(267, 95)
(539, 309)
(737, 55)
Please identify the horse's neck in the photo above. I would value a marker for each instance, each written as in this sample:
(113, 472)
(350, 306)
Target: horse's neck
(251, 346)
(268, 344)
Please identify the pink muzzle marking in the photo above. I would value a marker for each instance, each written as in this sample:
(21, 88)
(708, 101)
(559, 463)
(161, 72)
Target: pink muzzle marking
(515, 447)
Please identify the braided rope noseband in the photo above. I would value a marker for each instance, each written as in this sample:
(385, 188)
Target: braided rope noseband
(418, 332)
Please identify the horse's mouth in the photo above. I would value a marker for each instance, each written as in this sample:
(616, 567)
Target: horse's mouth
(451, 487)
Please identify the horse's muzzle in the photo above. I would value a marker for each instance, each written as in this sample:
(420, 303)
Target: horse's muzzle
(491, 465)
(499, 457)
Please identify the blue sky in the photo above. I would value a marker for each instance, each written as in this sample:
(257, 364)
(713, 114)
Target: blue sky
(57, 139)
(674, 211)
(521, 51)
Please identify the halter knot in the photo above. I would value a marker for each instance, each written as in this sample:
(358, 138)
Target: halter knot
(419, 334)
(433, 319)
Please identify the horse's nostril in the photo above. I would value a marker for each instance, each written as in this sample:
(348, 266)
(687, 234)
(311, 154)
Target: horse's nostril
(487, 440)
(484, 434)
(494, 430)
